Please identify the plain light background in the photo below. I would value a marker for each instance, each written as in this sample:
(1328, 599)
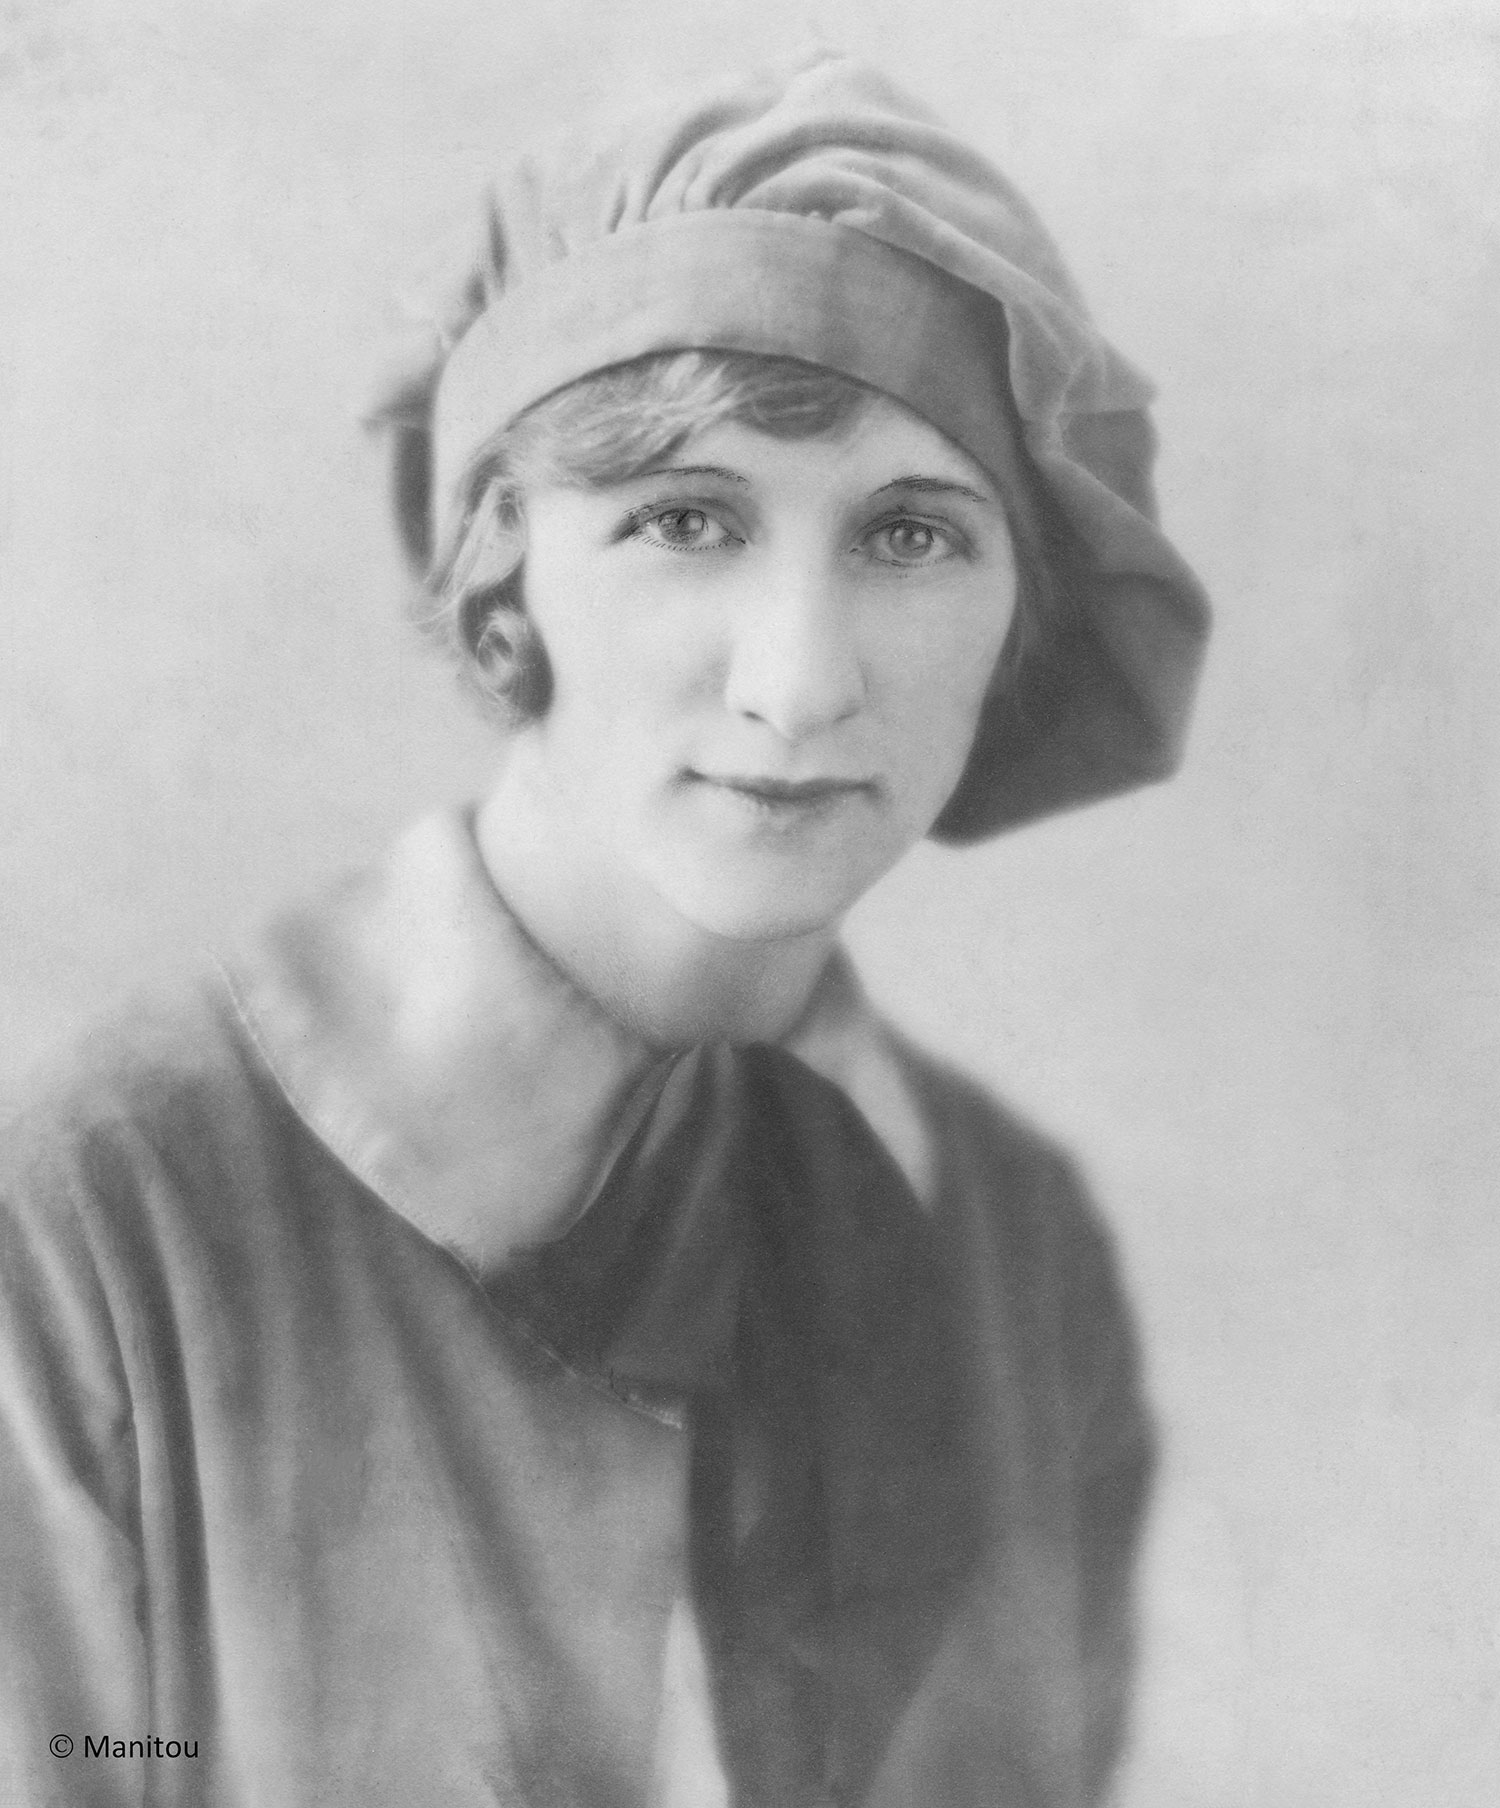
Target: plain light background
(1260, 1003)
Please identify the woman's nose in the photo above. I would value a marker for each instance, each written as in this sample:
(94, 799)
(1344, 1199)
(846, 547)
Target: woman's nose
(794, 663)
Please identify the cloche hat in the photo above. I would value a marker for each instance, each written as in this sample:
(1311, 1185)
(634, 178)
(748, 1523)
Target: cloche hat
(815, 212)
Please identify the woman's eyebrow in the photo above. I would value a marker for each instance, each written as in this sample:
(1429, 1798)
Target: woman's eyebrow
(693, 471)
(936, 486)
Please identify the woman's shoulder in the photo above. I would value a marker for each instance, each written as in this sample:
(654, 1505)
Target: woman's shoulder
(163, 1088)
(1036, 1253)
(999, 1173)
(974, 1122)
(969, 1156)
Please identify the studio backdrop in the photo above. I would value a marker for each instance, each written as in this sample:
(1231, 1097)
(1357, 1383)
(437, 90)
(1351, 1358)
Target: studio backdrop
(1258, 1003)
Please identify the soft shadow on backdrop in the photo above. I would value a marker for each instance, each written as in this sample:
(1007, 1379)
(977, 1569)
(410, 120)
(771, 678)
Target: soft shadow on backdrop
(1260, 1003)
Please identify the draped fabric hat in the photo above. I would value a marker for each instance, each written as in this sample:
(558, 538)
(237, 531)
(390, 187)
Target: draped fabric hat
(817, 213)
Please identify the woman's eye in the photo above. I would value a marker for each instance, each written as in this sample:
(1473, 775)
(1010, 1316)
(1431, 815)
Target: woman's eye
(683, 530)
(907, 542)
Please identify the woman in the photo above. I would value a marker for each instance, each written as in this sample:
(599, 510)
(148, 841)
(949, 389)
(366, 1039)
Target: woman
(526, 1332)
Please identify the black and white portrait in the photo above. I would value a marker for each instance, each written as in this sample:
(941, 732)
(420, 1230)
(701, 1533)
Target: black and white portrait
(749, 815)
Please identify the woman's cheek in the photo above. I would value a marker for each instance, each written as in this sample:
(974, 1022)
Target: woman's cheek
(947, 683)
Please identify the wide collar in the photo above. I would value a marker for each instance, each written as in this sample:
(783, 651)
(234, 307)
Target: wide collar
(436, 1051)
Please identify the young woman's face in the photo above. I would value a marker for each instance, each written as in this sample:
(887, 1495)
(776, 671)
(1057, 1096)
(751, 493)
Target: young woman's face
(768, 659)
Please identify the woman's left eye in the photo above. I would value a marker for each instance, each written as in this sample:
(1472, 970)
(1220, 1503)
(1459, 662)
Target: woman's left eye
(683, 530)
(909, 542)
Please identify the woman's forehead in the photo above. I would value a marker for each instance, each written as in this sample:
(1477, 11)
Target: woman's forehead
(882, 444)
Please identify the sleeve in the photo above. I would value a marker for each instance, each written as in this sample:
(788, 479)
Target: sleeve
(72, 1663)
(1115, 1446)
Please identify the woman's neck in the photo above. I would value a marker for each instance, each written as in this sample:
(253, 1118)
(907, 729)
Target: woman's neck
(647, 966)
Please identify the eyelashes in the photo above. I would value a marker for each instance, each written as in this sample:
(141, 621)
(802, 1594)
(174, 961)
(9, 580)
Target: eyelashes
(913, 542)
(679, 527)
(899, 540)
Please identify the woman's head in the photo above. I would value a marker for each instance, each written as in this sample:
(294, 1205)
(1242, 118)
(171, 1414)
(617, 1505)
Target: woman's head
(742, 618)
(822, 251)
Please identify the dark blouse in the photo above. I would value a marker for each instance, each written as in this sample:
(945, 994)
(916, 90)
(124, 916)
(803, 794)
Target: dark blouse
(292, 1511)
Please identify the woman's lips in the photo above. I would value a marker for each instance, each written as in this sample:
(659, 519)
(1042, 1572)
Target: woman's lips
(782, 795)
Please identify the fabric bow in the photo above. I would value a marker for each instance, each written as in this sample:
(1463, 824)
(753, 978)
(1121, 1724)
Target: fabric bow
(755, 1253)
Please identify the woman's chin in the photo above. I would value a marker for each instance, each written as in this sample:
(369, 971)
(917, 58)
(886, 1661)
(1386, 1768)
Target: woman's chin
(769, 888)
(758, 906)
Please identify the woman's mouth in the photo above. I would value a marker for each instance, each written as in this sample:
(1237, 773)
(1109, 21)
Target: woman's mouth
(782, 797)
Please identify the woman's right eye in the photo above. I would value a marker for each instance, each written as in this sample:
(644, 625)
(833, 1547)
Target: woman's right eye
(682, 530)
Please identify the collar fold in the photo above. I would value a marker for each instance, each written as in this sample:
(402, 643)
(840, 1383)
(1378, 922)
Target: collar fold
(439, 1054)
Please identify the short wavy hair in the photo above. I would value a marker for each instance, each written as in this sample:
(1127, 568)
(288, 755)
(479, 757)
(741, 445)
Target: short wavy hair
(609, 427)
